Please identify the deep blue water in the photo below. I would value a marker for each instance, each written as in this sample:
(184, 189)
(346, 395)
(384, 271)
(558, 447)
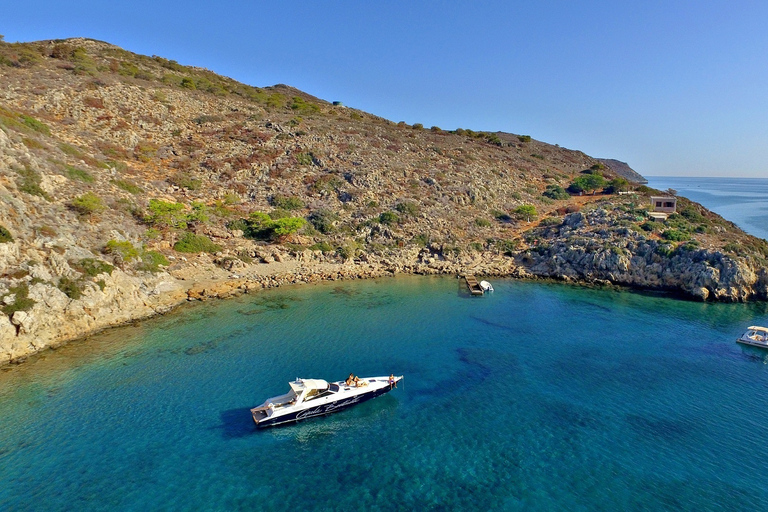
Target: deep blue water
(743, 201)
(537, 397)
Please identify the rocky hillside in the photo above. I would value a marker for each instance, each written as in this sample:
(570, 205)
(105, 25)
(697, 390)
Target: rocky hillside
(130, 183)
(623, 169)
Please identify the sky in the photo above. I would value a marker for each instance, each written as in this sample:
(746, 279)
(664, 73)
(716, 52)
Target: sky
(674, 88)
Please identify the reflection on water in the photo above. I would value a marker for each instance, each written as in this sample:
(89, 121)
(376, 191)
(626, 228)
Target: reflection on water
(756, 354)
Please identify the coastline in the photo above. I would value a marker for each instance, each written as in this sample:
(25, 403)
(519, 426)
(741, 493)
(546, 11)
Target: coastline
(56, 320)
(137, 298)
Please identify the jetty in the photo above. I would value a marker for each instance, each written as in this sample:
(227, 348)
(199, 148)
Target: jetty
(472, 284)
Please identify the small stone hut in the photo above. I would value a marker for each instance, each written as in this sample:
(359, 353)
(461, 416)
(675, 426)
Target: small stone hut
(665, 204)
(662, 207)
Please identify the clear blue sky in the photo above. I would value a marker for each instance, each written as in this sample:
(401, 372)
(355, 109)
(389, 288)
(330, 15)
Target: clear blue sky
(671, 87)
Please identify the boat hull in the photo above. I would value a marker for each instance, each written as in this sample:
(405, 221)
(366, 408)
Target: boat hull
(313, 411)
(753, 343)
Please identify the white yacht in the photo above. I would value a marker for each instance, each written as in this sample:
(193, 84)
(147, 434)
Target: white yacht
(756, 336)
(315, 397)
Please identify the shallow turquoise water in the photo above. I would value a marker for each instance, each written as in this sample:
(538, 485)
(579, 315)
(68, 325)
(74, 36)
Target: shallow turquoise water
(537, 397)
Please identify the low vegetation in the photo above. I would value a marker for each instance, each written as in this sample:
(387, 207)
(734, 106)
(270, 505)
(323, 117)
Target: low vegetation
(5, 235)
(192, 243)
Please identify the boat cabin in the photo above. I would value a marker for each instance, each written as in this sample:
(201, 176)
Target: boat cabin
(310, 389)
(757, 333)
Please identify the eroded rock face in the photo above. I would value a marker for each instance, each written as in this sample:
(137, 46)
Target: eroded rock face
(594, 248)
(55, 318)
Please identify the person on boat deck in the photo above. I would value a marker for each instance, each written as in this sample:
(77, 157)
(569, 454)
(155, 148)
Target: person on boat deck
(351, 380)
(392, 381)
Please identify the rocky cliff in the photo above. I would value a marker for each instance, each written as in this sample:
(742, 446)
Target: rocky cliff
(129, 184)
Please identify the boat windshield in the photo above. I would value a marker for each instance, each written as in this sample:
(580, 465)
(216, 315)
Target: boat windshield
(334, 388)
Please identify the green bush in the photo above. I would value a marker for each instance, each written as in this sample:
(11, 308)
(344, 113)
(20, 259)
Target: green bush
(184, 180)
(287, 203)
(199, 212)
(675, 235)
(93, 267)
(21, 302)
(650, 226)
(589, 183)
(617, 185)
(5, 235)
(665, 250)
(525, 211)
(348, 251)
(322, 246)
(482, 223)
(691, 213)
(646, 190)
(88, 203)
(302, 106)
(70, 287)
(287, 225)
(690, 245)
(304, 159)
(193, 243)
(152, 260)
(238, 224)
(555, 192)
(389, 218)
(407, 208)
(323, 220)
(123, 248)
(524, 138)
(166, 214)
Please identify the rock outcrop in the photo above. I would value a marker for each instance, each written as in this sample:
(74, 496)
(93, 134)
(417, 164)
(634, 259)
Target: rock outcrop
(596, 247)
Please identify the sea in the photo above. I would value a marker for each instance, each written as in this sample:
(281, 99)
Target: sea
(539, 396)
(743, 201)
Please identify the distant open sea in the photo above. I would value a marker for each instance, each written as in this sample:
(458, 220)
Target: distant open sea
(539, 396)
(743, 201)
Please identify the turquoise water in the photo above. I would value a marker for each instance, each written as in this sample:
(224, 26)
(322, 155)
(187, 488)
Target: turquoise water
(743, 201)
(537, 397)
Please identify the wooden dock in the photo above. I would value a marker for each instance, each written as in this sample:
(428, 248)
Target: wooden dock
(472, 284)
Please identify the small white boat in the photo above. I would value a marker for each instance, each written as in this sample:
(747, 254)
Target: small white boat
(756, 336)
(486, 286)
(315, 397)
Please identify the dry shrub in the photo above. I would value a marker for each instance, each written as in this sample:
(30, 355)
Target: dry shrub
(93, 102)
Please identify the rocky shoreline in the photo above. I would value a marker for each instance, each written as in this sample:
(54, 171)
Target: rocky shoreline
(589, 248)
